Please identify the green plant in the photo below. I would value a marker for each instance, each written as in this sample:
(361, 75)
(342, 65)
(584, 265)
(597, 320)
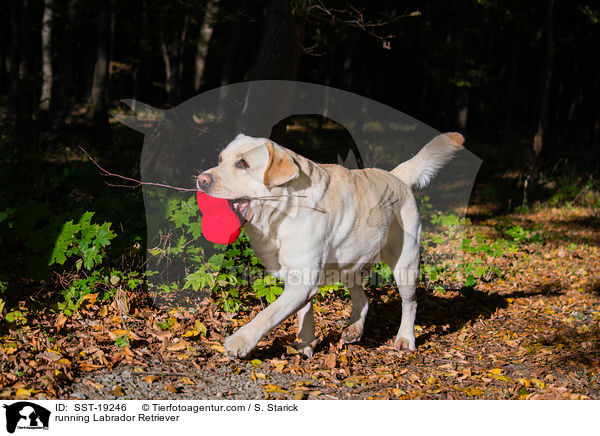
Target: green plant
(473, 260)
(565, 194)
(84, 241)
(84, 245)
(123, 341)
(447, 226)
(232, 268)
(269, 288)
(337, 290)
(381, 275)
(520, 235)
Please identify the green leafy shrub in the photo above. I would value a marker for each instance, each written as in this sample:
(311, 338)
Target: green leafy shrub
(269, 288)
(381, 275)
(337, 290)
(565, 194)
(83, 245)
(223, 273)
(84, 241)
(520, 235)
(473, 260)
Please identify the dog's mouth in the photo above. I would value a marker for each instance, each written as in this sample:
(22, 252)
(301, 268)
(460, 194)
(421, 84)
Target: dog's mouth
(241, 207)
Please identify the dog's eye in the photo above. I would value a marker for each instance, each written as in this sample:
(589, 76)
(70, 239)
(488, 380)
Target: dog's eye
(220, 158)
(242, 164)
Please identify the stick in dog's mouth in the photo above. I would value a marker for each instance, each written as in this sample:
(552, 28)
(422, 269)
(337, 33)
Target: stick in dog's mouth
(240, 206)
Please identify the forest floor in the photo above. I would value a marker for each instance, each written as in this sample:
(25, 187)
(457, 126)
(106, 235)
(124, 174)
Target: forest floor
(530, 331)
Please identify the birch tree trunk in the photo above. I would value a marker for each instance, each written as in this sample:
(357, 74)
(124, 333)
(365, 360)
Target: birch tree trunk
(206, 32)
(47, 76)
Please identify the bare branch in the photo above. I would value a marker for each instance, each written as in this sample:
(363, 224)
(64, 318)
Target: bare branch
(138, 183)
(353, 17)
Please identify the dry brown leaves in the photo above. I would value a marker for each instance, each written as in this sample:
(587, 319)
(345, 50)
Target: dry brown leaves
(533, 334)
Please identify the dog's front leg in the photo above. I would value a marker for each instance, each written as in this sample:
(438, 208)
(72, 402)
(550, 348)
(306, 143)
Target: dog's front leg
(294, 297)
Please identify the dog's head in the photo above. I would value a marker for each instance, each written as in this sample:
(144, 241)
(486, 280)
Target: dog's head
(249, 168)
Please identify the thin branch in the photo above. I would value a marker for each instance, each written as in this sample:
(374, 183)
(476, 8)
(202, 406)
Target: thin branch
(355, 18)
(138, 183)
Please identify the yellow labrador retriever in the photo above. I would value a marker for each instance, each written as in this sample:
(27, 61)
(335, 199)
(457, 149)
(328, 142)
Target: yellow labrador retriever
(312, 223)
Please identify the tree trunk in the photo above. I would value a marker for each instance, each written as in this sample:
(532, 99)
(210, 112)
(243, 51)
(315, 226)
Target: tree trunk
(278, 59)
(509, 97)
(46, 92)
(166, 62)
(463, 109)
(180, 58)
(236, 41)
(281, 47)
(206, 31)
(101, 74)
(140, 70)
(542, 123)
(16, 12)
(63, 85)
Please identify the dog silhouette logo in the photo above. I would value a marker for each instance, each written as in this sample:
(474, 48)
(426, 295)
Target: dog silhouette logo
(337, 127)
(26, 415)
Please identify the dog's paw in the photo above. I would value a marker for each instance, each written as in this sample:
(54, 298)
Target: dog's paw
(352, 333)
(404, 344)
(237, 345)
(305, 349)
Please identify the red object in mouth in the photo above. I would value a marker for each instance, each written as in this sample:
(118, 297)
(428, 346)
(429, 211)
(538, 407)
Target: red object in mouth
(220, 224)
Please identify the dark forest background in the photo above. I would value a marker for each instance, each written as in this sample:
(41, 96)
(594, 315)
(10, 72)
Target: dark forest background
(520, 79)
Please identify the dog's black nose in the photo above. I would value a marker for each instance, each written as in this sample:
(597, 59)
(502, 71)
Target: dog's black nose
(204, 182)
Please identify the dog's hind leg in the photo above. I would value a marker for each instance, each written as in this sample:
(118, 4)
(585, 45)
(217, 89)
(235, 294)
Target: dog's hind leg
(360, 305)
(306, 329)
(402, 255)
(406, 272)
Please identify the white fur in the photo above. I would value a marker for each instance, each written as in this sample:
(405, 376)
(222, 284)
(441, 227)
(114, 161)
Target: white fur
(418, 171)
(327, 221)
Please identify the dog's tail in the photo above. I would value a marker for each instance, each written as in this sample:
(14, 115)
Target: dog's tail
(418, 171)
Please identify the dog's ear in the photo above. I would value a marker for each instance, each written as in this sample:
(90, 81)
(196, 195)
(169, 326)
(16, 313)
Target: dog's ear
(281, 168)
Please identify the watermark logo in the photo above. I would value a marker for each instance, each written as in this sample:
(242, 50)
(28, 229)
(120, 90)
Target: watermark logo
(25, 415)
(182, 142)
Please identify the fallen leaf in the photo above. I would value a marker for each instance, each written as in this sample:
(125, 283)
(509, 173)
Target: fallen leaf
(299, 395)
(88, 300)
(22, 392)
(95, 384)
(473, 392)
(61, 319)
(151, 378)
(117, 333)
(87, 367)
(179, 346)
(218, 347)
(187, 381)
(274, 389)
(331, 360)
(50, 355)
(290, 350)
